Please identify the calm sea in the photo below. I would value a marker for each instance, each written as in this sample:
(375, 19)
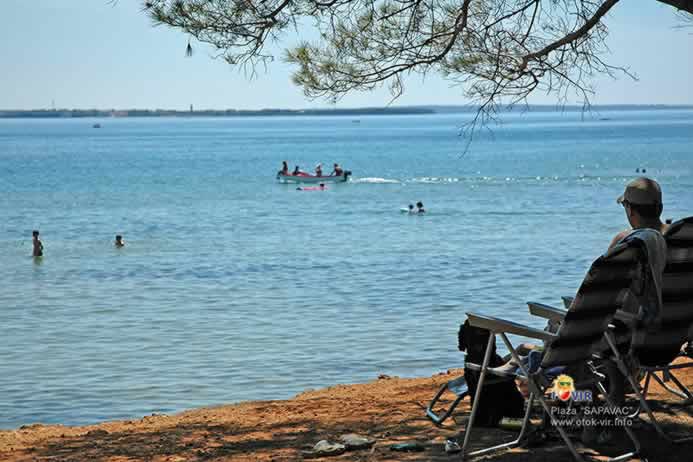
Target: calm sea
(233, 287)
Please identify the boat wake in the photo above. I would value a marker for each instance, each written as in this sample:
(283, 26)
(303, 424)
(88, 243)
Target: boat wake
(434, 180)
(375, 180)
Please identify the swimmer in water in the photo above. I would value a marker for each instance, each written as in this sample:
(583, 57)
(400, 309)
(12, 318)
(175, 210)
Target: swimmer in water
(411, 209)
(420, 207)
(38, 245)
(119, 242)
(322, 187)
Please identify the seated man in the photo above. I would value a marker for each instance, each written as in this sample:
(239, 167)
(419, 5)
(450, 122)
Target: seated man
(642, 202)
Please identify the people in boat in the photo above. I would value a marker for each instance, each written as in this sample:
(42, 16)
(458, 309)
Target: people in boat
(297, 171)
(38, 245)
(318, 170)
(285, 168)
(337, 170)
(119, 242)
(420, 207)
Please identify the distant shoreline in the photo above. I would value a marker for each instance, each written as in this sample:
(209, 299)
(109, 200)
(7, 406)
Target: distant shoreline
(402, 110)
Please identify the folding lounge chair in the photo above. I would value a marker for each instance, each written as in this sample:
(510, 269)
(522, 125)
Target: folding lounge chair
(659, 349)
(654, 349)
(582, 332)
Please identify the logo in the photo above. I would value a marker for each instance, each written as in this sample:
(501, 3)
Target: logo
(564, 390)
(563, 387)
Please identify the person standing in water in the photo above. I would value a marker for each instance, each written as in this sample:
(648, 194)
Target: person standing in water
(119, 242)
(38, 245)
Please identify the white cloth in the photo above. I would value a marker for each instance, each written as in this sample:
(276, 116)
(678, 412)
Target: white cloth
(656, 251)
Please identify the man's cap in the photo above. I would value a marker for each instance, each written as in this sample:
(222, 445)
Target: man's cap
(642, 191)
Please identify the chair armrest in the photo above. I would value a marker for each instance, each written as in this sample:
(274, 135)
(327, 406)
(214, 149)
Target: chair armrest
(546, 311)
(558, 314)
(627, 318)
(497, 326)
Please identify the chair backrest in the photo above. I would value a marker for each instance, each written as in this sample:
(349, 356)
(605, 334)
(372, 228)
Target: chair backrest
(661, 346)
(605, 289)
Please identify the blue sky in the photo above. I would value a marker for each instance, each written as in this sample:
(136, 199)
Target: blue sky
(91, 54)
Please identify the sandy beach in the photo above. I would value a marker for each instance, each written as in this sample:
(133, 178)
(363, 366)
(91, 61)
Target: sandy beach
(389, 410)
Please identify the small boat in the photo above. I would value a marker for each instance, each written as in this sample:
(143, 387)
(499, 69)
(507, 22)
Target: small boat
(307, 178)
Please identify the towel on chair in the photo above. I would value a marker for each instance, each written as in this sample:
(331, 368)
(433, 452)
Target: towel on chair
(656, 250)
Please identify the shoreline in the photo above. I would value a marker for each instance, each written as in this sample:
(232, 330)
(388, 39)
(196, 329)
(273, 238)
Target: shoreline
(388, 410)
(432, 109)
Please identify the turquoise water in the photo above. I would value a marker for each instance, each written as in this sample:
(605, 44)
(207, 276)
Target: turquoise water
(233, 287)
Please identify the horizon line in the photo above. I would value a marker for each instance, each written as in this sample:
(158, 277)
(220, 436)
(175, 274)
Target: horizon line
(466, 107)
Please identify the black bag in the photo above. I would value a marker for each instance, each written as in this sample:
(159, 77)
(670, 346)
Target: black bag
(498, 399)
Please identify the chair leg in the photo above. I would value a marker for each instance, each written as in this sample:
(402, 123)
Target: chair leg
(510, 444)
(682, 387)
(468, 430)
(643, 403)
(683, 393)
(629, 432)
(634, 386)
(439, 419)
(646, 387)
(477, 395)
(644, 390)
(535, 389)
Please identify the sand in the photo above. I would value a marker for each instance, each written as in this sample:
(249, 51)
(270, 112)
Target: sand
(389, 410)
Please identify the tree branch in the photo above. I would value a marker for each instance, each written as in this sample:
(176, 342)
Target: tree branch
(684, 5)
(571, 37)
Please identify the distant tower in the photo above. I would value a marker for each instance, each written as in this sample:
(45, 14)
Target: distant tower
(191, 109)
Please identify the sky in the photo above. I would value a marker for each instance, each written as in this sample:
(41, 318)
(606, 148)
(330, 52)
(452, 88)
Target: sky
(94, 54)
